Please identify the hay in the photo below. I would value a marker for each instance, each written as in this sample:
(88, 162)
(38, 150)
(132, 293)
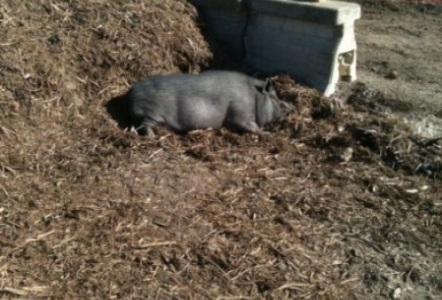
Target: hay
(337, 203)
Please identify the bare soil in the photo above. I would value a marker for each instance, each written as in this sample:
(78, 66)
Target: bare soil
(338, 202)
(399, 54)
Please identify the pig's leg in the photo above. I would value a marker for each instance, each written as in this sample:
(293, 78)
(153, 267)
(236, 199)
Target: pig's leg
(250, 126)
(145, 128)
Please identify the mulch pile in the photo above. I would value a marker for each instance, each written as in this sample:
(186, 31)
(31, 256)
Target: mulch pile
(339, 202)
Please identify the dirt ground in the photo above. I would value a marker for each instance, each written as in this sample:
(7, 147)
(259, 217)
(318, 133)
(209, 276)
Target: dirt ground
(399, 54)
(338, 202)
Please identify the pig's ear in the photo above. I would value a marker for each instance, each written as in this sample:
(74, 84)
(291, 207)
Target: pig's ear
(265, 86)
(268, 85)
(260, 86)
(269, 88)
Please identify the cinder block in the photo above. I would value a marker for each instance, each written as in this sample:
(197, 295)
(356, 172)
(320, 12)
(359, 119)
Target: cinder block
(312, 41)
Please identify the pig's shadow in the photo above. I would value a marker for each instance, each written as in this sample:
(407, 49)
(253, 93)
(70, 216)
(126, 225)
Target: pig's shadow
(117, 109)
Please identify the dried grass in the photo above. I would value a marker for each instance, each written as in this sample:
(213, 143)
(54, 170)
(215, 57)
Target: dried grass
(334, 204)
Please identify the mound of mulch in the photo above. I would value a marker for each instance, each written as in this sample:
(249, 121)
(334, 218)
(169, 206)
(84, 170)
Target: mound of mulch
(339, 202)
(60, 59)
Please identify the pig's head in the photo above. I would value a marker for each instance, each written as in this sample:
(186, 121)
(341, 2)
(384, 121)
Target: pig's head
(268, 106)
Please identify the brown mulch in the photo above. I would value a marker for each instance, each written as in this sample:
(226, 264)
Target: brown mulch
(337, 203)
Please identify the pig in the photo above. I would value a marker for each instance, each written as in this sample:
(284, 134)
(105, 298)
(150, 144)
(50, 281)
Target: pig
(211, 99)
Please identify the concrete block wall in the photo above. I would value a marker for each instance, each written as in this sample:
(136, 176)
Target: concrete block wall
(313, 42)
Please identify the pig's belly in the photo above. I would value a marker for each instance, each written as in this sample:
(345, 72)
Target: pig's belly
(201, 115)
